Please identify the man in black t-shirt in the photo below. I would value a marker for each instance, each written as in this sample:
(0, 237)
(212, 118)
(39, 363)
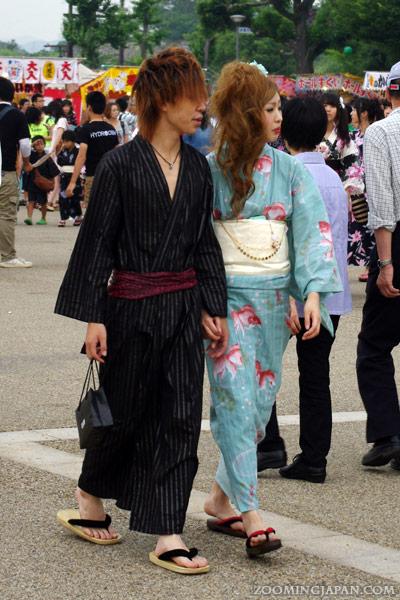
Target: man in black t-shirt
(14, 137)
(95, 138)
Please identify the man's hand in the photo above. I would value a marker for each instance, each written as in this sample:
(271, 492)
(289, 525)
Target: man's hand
(96, 341)
(216, 330)
(385, 282)
(312, 316)
(27, 167)
(69, 192)
(293, 321)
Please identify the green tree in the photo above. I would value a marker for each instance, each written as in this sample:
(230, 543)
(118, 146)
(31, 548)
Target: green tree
(179, 18)
(372, 29)
(87, 28)
(118, 28)
(146, 21)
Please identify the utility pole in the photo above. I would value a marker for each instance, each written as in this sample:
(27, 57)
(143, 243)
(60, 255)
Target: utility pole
(237, 19)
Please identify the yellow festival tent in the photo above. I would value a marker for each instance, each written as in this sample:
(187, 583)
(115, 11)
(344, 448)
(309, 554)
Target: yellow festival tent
(115, 82)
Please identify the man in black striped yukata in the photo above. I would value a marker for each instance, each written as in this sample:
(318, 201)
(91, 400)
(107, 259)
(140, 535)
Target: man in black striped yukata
(150, 226)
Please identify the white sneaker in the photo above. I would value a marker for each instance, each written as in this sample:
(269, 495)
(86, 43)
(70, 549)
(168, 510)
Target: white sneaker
(14, 263)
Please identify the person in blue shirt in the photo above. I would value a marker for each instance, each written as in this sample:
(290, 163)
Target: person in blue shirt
(303, 127)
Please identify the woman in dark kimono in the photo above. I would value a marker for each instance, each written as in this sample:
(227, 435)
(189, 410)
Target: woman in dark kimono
(149, 225)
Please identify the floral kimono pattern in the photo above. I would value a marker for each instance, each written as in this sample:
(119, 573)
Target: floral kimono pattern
(343, 158)
(361, 240)
(245, 381)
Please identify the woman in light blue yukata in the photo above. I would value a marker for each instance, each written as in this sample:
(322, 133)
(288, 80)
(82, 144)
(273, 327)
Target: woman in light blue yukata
(276, 241)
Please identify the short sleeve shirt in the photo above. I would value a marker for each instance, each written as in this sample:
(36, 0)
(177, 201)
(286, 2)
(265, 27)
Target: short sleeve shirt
(100, 137)
(13, 127)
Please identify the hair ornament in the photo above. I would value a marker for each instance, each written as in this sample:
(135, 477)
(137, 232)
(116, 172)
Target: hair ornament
(259, 67)
(341, 102)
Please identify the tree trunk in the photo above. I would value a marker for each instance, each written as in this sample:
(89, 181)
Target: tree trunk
(301, 18)
(304, 62)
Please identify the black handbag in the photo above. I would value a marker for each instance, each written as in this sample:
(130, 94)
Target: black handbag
(93, 415)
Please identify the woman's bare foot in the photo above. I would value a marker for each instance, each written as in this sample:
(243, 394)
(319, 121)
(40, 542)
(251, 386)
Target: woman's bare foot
(92, 508)
(172, 542)
(217, 504)
(252, 521)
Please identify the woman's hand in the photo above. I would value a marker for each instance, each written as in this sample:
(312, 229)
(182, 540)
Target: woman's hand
(312, 316)
(293, 321)
(96, 341)
(216, 330)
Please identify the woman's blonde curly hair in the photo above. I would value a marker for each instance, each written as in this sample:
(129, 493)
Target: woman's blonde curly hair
(241, 94)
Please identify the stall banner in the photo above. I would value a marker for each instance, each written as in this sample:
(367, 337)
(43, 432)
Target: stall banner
(308, 83)
(48, 72)
(285, 85)
(34, 71)
(115, 82)
(375, 80)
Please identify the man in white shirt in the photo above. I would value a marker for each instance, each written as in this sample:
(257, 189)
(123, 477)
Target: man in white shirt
(380, 330)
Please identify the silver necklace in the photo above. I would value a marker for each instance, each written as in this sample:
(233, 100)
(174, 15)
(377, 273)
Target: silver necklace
(170, 164)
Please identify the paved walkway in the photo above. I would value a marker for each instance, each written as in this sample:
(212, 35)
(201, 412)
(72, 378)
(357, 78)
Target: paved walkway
(339, 538)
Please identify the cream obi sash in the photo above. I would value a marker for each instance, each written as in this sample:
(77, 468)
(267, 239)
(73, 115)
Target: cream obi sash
(256, 246)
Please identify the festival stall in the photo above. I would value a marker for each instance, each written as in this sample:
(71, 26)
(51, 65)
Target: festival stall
(113, 83)
(52, 77)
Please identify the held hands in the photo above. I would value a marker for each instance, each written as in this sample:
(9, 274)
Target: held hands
(96, 342)
(312, 316)
(385, 282)
(216, 330)
(293, 321)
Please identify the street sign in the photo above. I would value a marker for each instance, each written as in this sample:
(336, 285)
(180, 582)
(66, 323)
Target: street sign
(244, 30)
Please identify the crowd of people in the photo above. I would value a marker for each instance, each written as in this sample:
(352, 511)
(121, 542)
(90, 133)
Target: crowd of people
(244, 247)
(55, 135)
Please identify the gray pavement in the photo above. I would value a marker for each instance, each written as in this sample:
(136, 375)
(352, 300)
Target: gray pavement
(40, 379)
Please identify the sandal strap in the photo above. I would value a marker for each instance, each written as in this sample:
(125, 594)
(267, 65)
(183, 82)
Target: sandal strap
(265, 532)
(229, 520)
(179, 552)
(92, 524)
(261, 532)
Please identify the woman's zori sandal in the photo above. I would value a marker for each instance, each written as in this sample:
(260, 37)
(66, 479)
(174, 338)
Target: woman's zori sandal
(224, 526)
(264, 547)
(71, 520)
(164, 561)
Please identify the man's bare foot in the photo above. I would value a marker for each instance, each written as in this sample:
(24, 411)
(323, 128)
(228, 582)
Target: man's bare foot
(217, 504)
(172, 542)
(92, 508)
(252, 521)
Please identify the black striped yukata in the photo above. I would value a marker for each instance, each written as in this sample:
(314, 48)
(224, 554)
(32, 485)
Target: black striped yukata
(155, 361)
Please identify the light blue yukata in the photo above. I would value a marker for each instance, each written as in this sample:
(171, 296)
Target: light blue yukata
(245, 381)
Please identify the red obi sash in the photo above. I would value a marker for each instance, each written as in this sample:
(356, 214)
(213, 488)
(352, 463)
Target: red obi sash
(136, 286)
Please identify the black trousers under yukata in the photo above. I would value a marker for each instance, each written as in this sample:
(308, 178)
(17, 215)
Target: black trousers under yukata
(155, 360)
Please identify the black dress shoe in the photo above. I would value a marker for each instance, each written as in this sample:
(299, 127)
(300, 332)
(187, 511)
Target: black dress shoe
(382, 452)
(273, 459)
(298, 469)
(395, 464)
